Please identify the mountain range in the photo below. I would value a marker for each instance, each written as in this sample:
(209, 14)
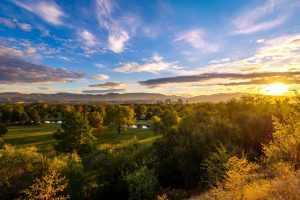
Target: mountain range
(13, 97)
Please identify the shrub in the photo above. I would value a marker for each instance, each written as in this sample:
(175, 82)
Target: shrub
(142, 184)
(50, 187)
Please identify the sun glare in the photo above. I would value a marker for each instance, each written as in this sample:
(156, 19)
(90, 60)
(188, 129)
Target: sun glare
(275, 89)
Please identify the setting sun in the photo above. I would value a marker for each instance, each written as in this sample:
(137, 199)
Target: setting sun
(275, 89)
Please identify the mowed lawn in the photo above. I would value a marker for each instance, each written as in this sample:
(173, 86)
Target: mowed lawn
(41, 136)
(37, 135)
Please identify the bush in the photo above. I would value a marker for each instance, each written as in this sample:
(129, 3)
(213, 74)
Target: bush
(18, 167)
(285, 145)
(142, 184)
(51, 186)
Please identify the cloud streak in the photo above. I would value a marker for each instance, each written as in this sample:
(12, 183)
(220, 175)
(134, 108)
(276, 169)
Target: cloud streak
(153, 65)
(88, 38)
(210, 76)
(196, 39)
(101, 77)
(260, 18)
(103, 91)
(13, 23)
(107, 85)
(47, 10)
(15, 70)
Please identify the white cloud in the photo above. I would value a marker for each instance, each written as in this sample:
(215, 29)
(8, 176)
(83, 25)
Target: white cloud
(25, 27)
(9, 51)
(47, 10)
(260, 41)
(101, 77)
(116, 41)
(7, 22)
(63, 58)
(31, 50)
(278, 54)
(196, 39)
(98, 65)
(263, 17)
(154, 65)
(88, 38)
(13, 23)
(119, 29)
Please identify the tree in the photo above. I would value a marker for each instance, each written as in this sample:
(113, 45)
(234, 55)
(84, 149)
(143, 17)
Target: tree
(140, 111)
(142, 184)
(119, 117)
(240, 173)
(2, 143)
(156, 124)
(49, 187)
(169, 119)
(70, 166)
(95, 119)
(3, 129)
(18, 166)
(285, 145)
(214, 166)
(33, 115)
(76, 134)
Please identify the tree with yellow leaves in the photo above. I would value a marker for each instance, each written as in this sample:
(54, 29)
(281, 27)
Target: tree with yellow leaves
(51, 186)
(285, 145)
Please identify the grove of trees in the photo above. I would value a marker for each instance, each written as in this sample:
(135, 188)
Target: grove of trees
(242, 149)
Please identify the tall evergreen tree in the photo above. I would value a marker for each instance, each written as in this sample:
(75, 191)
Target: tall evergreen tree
(76, 134)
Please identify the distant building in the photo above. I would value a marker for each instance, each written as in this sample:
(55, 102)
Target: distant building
(187, 102)
(180, 101)
(168, 101)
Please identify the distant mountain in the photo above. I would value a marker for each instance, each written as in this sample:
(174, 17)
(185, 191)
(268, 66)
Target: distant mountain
(11, 97)
(216, 97)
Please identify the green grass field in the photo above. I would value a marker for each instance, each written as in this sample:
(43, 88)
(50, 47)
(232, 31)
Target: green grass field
(41, 136)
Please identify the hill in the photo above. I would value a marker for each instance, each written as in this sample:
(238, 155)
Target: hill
(135, 98)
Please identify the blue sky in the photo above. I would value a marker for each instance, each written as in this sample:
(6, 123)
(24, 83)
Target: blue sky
(172, 47)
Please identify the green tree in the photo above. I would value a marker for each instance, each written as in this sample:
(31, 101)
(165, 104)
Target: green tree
(169, 118)
(214, 166)
(167, 121)
(119, 117)
(95, 119)
(3, 129)
(33, 114)
(140, 111)
(156, 124)
(76, 134)
(142, 184)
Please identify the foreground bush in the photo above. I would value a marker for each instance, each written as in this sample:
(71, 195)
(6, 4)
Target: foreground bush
(50, 187)
(142, 184)
(18, 168)
(283, 187)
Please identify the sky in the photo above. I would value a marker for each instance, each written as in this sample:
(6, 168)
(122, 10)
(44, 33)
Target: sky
(178, 47)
